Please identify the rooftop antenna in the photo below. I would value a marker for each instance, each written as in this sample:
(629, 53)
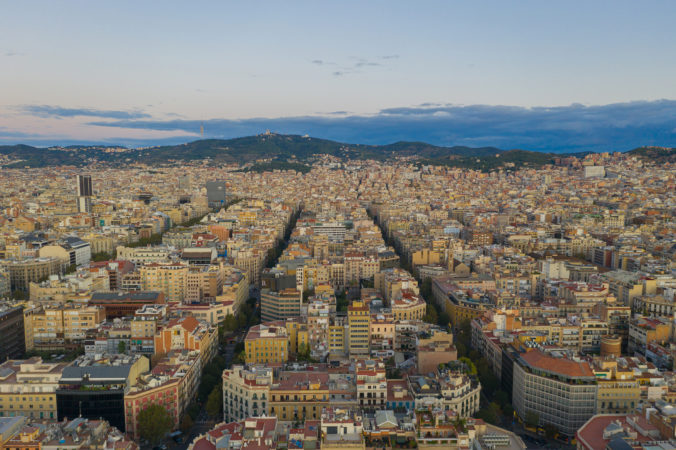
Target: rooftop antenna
(202, 130)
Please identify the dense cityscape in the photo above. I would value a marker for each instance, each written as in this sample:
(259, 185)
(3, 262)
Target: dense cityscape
(361, 304)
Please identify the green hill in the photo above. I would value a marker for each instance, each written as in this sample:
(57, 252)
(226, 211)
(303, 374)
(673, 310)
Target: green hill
(277, 151)
(658, 155)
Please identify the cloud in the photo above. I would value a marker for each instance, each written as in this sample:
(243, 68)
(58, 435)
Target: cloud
(356, 64)
(613, 127)
(60, 112)
(11, 53)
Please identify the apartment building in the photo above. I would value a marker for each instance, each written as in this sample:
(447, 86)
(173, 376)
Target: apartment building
(266, 344)
(28, 388)
(246, 392)
(60, 325)
(359, 320)
(299, 396)
(170, 279)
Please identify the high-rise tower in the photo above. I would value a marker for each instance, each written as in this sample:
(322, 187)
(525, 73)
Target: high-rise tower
(84, 193)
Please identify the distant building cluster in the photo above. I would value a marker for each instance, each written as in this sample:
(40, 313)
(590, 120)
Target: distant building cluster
(361, 305)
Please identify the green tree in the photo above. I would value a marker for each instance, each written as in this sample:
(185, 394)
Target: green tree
(471, 367)
(532, 419)
(444, 319)
(426, 289)
(186, 423)
(431, 315)
(205, 387)
(214, 405)
(153, 423)
(490, 414)
(239, 358)
(242, 320)
(230, 323)
(121, 347)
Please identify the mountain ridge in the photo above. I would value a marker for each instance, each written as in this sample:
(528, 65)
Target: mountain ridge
(279, 147)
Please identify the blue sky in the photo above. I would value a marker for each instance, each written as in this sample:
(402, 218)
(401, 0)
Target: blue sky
(528, 74)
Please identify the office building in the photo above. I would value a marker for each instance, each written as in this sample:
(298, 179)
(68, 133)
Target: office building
(95, 388)
(359, 320)
(216, 194)
(84, 193)
(555, 390)
(12, 336)
(280, 305)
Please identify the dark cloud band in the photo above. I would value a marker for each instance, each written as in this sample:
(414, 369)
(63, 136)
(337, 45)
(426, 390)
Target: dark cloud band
(614, 127)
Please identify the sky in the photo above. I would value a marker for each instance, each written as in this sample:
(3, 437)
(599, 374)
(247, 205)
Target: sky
(548, 76)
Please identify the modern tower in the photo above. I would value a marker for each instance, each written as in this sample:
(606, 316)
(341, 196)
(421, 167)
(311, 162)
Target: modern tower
(215, 194)
(84, 193)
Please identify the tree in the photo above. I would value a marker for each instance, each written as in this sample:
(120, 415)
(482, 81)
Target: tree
(121, 347)
(490, 414)
(215, 402)
(431, 315)
(153, 423)
(230, 323)
(426, 289)
(205, 387)
(532, 419)
(444, 319)
(242, 320)
(186, 423)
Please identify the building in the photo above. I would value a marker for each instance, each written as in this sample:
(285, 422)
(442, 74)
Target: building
(142, 255)
(125, 304)
(171, 279)
(371, 384)
(553, 390)
(594, 171)
(28, 388)
(84, 193)
(256, 433)
(267, 343)
(619, 431)
(359, 319)
(246, 392)
(71, 250)
(187, 333)
(95, 388)
(151, 390)
(12, 334)
(342, 429)
(409, 307)
(644, 331)
(619, 391)
(216, 194)
(434, 350)
(280, 305)
(61, 325)
(23, 272)
(299, 396)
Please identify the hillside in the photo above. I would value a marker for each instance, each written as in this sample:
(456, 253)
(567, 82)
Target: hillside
(658, 155)
(270, 151)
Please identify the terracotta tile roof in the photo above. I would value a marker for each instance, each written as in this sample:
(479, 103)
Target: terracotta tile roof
(563, 366)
